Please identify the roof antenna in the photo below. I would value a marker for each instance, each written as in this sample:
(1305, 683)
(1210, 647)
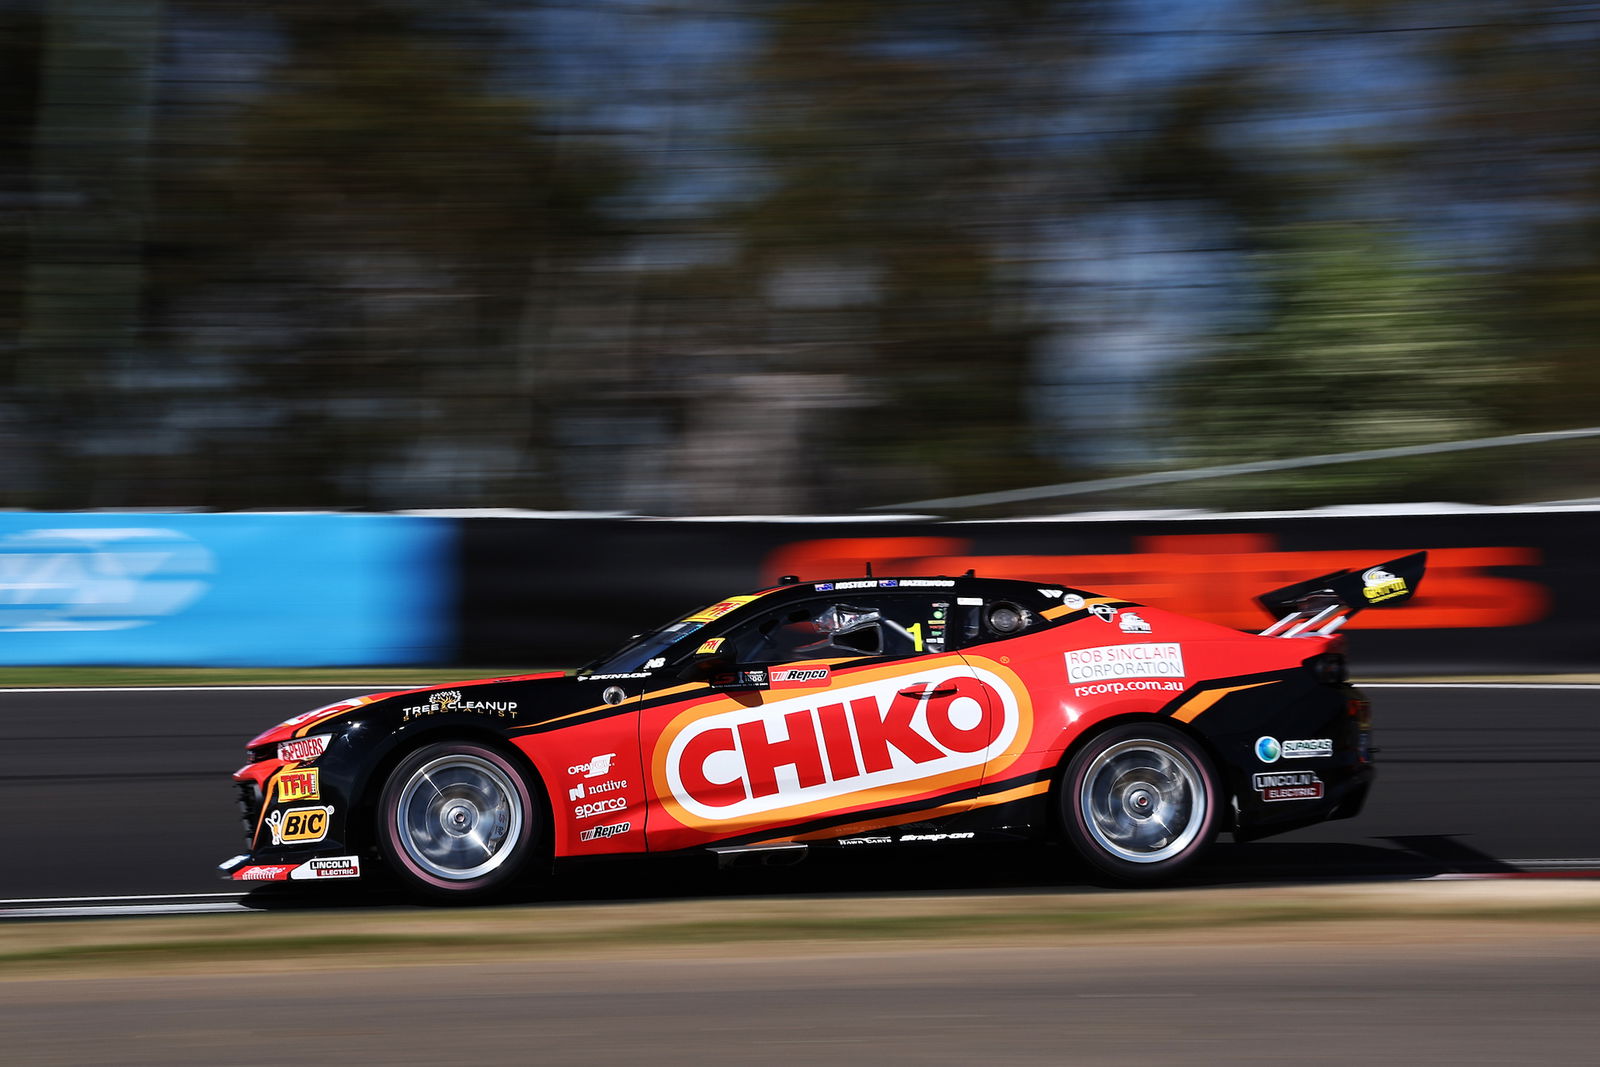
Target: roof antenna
(869, 568)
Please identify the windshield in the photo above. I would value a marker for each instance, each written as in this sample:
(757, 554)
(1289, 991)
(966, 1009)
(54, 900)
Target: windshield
(638, 652)
(642, 649)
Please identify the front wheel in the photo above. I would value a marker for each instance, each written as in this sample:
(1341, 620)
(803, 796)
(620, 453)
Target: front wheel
(456, 822)
(1140, 802)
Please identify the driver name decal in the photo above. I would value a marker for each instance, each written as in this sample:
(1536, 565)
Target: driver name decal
(899, 734)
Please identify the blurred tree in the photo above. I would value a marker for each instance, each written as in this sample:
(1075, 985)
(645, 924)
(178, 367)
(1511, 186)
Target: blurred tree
(872, 276)
(364, 245)
(1359, 346)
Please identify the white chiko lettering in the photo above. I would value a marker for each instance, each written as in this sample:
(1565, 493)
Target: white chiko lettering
(854, 739)
(1109, 662)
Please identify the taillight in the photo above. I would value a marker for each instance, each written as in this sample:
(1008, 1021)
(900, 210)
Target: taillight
(1329, 668)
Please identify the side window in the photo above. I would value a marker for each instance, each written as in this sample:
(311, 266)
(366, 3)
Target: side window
(859, 626)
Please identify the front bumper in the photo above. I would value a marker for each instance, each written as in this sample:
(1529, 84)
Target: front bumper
(246, 868)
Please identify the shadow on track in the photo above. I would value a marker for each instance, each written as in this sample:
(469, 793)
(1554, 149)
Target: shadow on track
(949, 869)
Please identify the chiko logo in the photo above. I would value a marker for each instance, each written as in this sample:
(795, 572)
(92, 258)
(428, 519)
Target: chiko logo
(1268, 750)
(596, 766)
(1132, 624)
(861, 738)
(98, 579)
(299, 825)
(1379, 584)
(600, 833)
(1110, 662)
(450, 700)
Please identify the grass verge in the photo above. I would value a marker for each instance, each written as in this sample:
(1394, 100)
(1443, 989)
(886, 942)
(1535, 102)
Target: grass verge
(266, 942)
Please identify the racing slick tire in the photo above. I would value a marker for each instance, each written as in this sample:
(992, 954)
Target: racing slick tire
(457, 822)
(1140, 802)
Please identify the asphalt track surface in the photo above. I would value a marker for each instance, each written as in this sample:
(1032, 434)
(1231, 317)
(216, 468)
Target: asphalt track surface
(127, 792)
(1523, 1000)
(124, 793)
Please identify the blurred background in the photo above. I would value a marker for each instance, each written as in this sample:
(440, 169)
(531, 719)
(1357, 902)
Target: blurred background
(751, 256)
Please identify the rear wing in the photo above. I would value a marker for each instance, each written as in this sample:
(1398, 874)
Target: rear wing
(1322, 605)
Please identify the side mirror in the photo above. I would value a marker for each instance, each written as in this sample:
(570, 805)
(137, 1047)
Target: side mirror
(720, 672)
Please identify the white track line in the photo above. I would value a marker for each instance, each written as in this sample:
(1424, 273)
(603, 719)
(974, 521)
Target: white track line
(105, 911)
(1478, 685)
(101, 900)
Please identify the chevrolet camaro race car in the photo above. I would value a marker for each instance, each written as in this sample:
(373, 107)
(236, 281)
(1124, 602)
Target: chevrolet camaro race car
(858, 713)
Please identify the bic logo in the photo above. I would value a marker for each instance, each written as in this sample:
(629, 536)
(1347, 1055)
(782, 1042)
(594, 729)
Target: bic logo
(303, 784)
(299, 826)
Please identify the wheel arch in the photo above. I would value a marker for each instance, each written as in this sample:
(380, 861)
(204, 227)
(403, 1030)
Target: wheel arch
(1225, 794)
(401, 745)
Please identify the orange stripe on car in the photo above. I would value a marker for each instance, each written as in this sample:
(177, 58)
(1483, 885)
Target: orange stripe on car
(1196, 705)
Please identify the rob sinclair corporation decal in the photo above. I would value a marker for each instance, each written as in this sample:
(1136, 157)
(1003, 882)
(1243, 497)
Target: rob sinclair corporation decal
(1115, 662)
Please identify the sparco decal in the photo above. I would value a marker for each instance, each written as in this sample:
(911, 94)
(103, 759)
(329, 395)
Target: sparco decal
(600, 807)
(901, 733)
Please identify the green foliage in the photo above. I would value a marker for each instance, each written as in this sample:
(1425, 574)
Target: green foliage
(1360, 346)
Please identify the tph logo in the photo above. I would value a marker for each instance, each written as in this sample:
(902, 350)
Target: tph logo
(98, 579)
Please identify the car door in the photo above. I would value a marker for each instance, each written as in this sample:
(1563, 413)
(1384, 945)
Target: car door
(817, 718)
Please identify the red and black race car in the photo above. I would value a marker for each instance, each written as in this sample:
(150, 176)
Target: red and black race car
(853, 713)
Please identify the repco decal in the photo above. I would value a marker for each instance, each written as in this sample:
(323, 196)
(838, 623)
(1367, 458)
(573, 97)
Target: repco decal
(898, 734)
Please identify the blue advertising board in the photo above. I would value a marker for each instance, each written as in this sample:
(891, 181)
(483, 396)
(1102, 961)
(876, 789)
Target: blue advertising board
(225, 589)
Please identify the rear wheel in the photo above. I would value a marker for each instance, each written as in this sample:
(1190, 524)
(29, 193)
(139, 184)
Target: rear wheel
(457, 821)
(1140, 802)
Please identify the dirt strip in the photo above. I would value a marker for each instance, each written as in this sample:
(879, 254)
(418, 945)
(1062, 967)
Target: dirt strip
(290, 941)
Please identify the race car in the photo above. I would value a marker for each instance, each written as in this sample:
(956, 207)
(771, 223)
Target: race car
(852, 713)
